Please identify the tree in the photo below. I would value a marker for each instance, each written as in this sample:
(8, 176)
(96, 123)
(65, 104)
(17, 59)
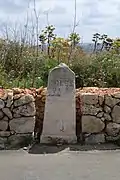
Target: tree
(42, 40)
(96, 38)
(108, 44)
(103, 38)
(47, 35)
(60, 48)
(74, 39)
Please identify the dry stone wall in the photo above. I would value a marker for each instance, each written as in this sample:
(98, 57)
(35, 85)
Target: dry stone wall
(17, 117)
(97, 113)
(22, 112)
(100, 114)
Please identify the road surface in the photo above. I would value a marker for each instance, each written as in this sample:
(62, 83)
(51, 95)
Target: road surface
(64, 165)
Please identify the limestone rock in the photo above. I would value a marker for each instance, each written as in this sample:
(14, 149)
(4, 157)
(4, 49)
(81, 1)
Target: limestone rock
(2, 143)
(102, 119)
(5, 118)
(3, 125)
(7, 112)
(111, 102)
(89, 98)
(17, 91)
(107, 117)
(3, 94)
(4, 133)
(100, 114)
(26, 110)
(101, 100)
(26, 99)
(9, 99)
(60, 98)
(116, 95)
(95, 139)
(18, 96)
(2, 104)
(113, 129)
(116, 114)
(1, 114)
(11, 108)
(91, 110)
(107, 109)
(112, 138)
(22, 125)
(91, 124)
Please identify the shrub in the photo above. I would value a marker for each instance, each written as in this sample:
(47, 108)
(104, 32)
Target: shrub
(21, 67)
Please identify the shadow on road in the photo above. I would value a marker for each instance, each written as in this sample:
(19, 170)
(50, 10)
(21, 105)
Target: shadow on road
(45, 149)
(52, 149)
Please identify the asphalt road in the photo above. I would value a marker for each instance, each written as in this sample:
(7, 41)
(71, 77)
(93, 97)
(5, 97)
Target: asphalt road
(64, 165)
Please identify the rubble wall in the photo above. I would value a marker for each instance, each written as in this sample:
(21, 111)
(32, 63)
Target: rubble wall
(17, 117)
(22, 112)
(97, 113)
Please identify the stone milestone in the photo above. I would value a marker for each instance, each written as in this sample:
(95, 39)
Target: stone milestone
(60, 110)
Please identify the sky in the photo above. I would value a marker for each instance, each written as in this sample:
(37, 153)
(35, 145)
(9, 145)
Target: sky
(102, 16)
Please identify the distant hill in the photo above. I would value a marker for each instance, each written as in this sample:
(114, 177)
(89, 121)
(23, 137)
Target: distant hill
(87, 47)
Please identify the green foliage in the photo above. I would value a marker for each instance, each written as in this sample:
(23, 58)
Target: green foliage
(46, 67)
(74, 38)
(25, 66)
(60, 49)
(104, 40)
(116, 46)
(96, 38)
(3, 77)
(47, 36)
(101, 70)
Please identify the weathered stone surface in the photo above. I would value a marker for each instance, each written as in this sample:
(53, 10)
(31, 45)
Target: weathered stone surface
(107, 117)
(1, 114)
(7, 112)
(60, 112)
(17, 91)
(113, 129)
(26, 110)
(18, 96)
(24, 100)
(11, 108)
(91, 110)
(2, 104)
(116, 95)
(3, 125)
(89, 98)
(107, 109)
(109, 101)
(100, 114)
(19, 141)
(22, 125)
(102, 119)
(2, 143)
(101, 100)
(9, 99)
(3, 94)
(5, 118)
(91, 124)
(116, 114)
(95, 139)
(4, 133)
(112, 138)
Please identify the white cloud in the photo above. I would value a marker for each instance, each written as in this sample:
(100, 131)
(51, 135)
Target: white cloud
(95, 15)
